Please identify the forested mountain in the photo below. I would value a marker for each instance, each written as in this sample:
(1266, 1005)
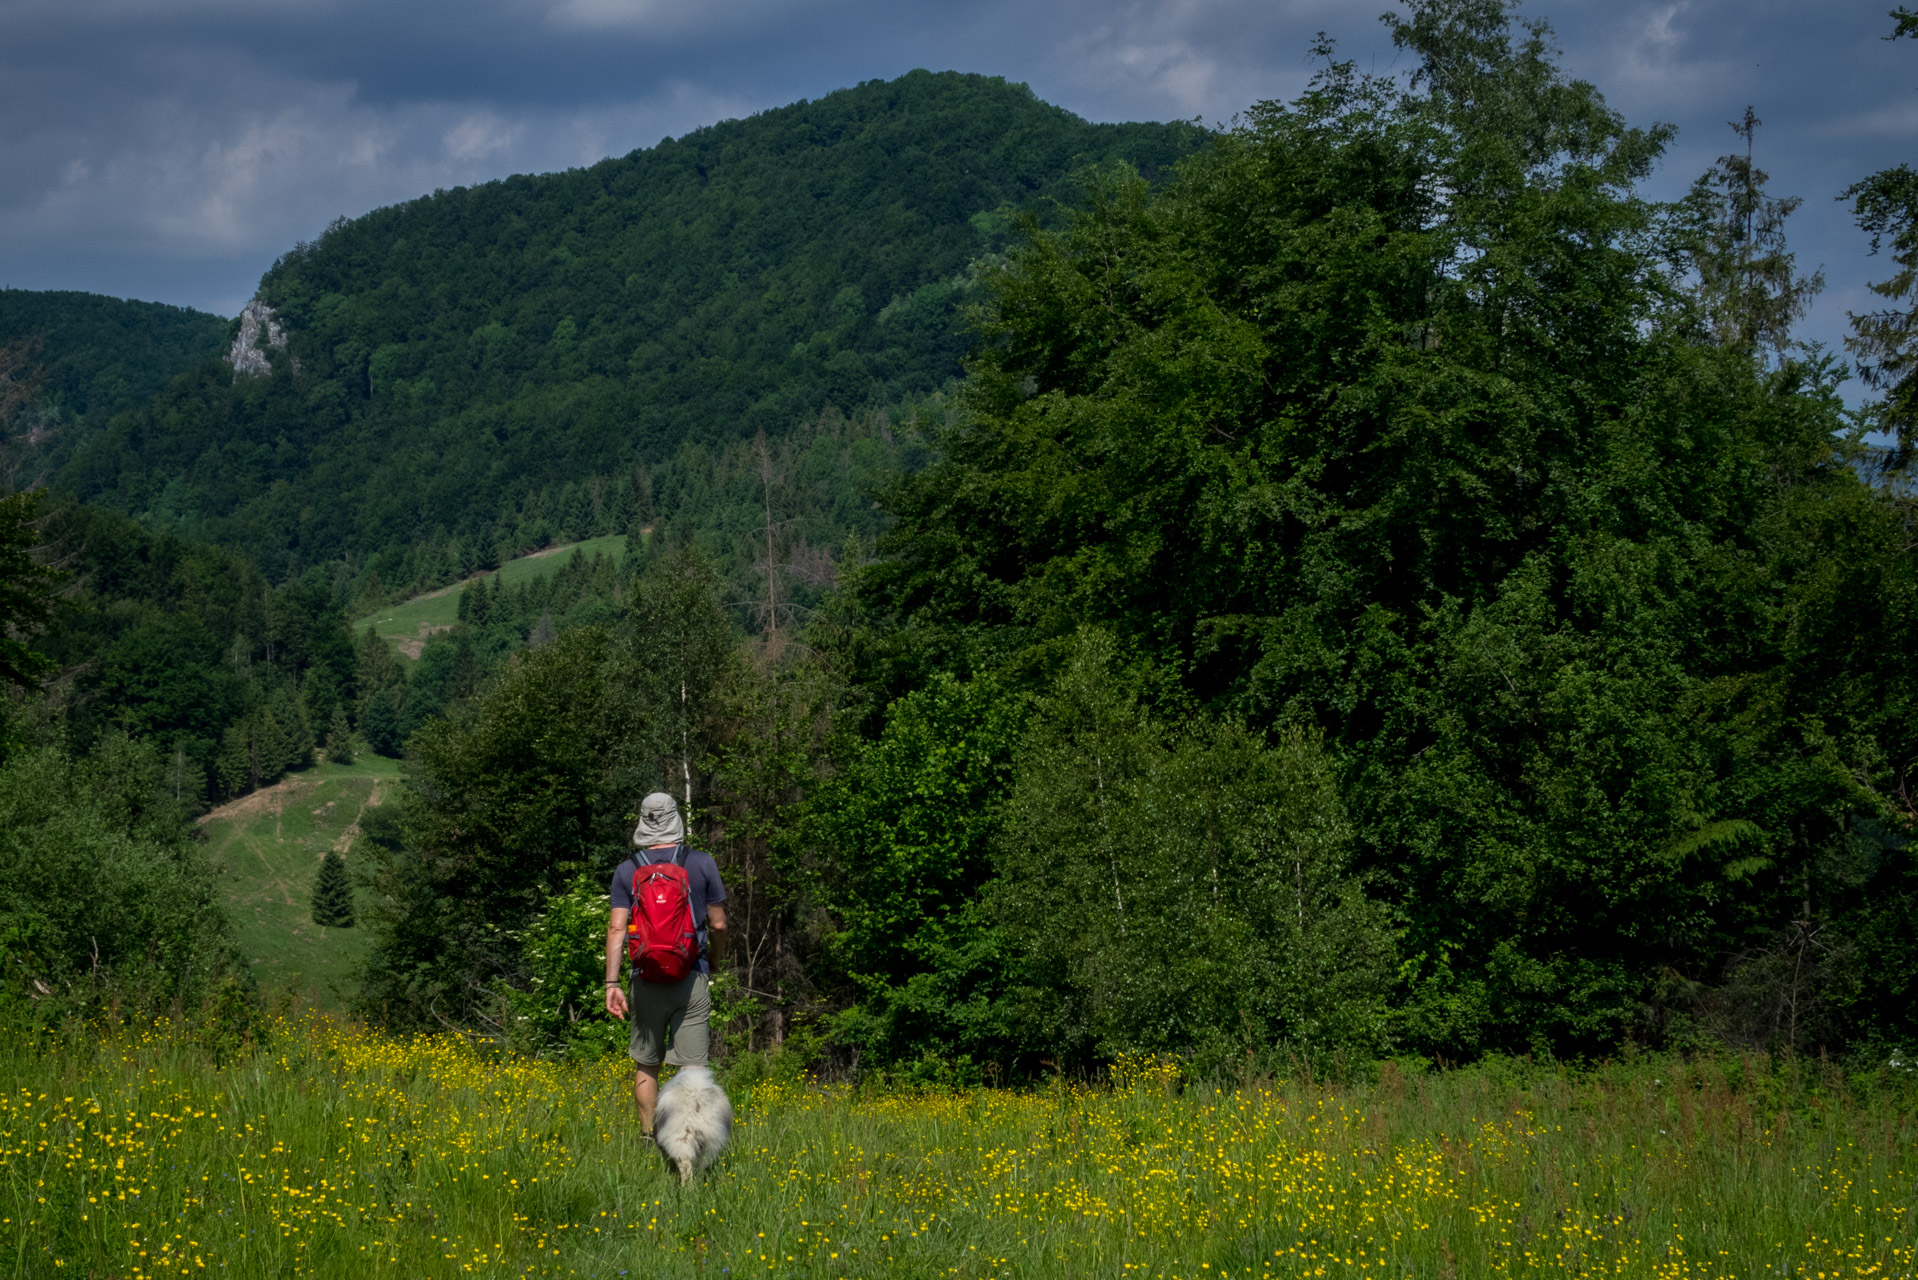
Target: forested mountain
(465, 365)
(72, 360)
(99, 355)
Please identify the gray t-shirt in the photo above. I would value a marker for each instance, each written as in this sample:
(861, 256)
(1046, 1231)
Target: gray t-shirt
(702, 881)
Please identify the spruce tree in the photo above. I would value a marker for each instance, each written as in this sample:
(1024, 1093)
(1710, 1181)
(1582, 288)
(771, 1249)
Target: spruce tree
(1748, 281)
(380, 722)
(234, 766)
(476, 603)
(339, 739)
(333, 894)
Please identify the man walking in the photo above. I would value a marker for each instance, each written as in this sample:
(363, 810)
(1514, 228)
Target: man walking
(674, 1009)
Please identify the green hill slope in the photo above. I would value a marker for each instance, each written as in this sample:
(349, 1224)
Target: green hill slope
(87, 358)
(480, 352)
(100, 355)
(408, 624)
(268, 847)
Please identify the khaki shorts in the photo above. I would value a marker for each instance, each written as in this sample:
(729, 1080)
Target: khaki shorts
(663, 1011)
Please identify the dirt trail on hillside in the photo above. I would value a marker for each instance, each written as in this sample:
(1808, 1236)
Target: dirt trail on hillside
(275, 799)
(253, 804)
(413, 647)
(345, 842)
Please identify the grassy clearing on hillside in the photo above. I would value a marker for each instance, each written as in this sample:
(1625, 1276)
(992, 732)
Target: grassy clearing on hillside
(268, 846)
(340, 1152)
(408, 624)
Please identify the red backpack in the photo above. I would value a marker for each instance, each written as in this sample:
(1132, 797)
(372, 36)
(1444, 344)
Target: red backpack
(661, 940)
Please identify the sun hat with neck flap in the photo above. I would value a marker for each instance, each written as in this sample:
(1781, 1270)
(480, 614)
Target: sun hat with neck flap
(659, 822)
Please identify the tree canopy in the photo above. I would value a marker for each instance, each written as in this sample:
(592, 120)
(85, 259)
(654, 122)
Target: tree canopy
(1392, 418)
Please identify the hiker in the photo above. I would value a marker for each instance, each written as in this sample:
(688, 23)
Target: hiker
(679, 897)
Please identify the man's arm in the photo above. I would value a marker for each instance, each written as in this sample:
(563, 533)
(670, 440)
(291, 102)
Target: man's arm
(715, 910)
(615, 940)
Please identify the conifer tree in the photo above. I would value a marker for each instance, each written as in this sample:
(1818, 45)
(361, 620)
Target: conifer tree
(339, 739)
(234, 767)
(333, 893)
(476, 603)
(380, 722)
(1748, 280)
(377, 667)
(1885, 339)
(467, 672)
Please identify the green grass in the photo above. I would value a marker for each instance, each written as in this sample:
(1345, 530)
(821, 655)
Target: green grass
(408, 624)
(268, 847)
(336, 1151)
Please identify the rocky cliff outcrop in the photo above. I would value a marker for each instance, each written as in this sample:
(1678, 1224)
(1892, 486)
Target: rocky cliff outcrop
(259, 329)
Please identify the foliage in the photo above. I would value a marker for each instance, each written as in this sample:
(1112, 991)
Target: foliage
(1734, 239)
(440, 1159)
(559, 1007)
(1181, 893)
(70, 361)
(105, 903)
(380, 723)
(20, 376)
(897, 845)
(1386, 417)
(186, 646)
(333, 893)
(339, 738)
(1886, 206)
(511, 798)
(103, 355)
(26, 591)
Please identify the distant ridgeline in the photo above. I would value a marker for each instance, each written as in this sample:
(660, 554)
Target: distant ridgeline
(487, 368)
(89, 357)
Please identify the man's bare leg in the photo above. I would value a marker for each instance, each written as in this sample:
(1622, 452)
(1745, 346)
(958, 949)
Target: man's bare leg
(645, 1095)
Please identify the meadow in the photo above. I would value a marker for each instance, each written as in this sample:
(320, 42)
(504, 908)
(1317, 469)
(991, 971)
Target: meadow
(333, 1150)
(267, 846)
(408, 624)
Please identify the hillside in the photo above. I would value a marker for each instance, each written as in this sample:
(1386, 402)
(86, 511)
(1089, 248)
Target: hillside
(267, 847)
(87, 357)
(478, 362)
(409, 624)
(100, 355)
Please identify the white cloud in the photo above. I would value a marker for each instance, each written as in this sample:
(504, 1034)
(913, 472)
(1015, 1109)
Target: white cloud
(1182, 59)
(1892, 120)
(481, 136)
(669, 17)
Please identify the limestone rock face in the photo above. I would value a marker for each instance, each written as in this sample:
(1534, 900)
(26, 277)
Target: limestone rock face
(259, 329)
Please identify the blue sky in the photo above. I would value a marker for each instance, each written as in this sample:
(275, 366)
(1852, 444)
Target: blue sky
(171, 149)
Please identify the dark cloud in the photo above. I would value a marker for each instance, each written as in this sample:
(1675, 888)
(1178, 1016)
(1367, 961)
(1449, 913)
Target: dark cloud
(173, 149)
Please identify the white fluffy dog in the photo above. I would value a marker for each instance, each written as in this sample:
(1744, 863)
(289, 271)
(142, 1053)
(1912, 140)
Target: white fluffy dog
(692, 1122)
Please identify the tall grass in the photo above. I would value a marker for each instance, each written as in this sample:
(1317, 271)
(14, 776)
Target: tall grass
(341, 1152)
